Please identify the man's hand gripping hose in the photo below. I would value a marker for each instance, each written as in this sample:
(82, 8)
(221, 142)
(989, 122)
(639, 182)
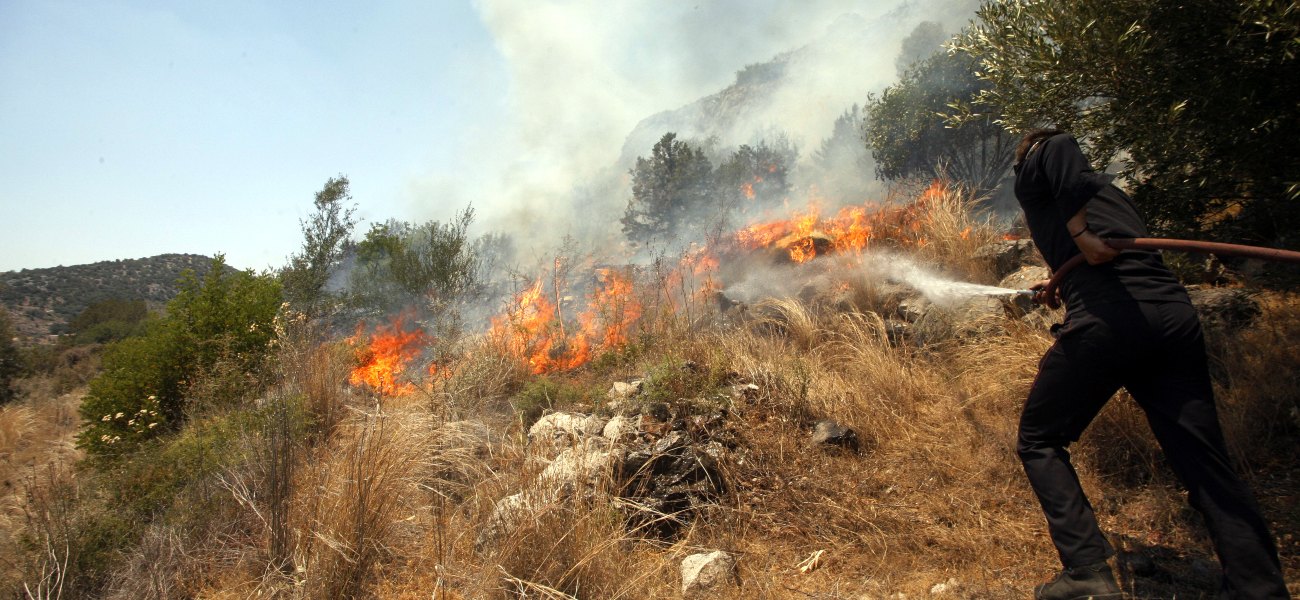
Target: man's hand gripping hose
(1048, 292)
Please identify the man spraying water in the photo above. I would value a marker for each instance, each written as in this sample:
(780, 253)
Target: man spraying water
(1128, 323)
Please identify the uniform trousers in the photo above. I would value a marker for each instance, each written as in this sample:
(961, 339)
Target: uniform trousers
(1157, 352)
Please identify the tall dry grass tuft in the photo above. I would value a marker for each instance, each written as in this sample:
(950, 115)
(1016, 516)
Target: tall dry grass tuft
(51, 518)
(577, 548)
(930, 492)
(322, 381)
(16, 422)
(953, 231)
(349, 509)
(482, 377)
(36, 449)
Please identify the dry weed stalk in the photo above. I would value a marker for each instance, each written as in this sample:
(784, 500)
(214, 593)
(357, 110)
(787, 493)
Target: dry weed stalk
(50, 507)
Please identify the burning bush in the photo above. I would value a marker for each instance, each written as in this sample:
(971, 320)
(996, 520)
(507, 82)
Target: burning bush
(385, 355)
(532, 330)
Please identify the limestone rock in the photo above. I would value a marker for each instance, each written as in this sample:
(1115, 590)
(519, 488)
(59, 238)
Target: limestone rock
(623, 390)
(621, 397)
(913, 309)
(581, 467)
(945, 588)
(1024, 277)
(620, 430)
(564, 428)
(972, 318)
(508, 514)
(708, 573)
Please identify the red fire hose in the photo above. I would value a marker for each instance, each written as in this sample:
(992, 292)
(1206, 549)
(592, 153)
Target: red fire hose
(1049, 292)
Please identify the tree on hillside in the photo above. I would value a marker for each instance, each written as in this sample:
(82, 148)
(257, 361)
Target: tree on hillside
(325, 234)
(435, 259)
(909, 134)
(925, 41)
(754, 177)
(108, 320)
(670, 193)
(398, 262)
(1202, 97)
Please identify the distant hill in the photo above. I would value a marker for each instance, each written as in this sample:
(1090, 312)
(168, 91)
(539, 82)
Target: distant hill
(42, 301)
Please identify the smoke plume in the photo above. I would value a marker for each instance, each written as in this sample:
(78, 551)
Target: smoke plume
(594, 84)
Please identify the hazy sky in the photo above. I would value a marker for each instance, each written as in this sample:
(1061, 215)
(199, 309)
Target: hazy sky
(132, 128)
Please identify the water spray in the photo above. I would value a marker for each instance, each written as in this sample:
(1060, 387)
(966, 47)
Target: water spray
(1048, 293)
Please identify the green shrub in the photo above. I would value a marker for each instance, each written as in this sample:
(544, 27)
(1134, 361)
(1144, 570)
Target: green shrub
(147, 481)
(686, 383)
(220, 327)
(109, 320)
(546, 393)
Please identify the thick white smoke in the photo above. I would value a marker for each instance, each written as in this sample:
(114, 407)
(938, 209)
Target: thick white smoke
(584, 73)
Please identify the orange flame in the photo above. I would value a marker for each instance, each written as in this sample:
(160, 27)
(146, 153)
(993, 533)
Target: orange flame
(612, 312)
(387, 354)
(851, 229)
(531, 330)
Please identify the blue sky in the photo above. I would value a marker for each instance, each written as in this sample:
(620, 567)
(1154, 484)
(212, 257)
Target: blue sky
(134, 128)
(131, 128)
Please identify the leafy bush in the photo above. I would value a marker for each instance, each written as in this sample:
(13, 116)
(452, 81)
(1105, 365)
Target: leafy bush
(325, 236)
(109, 320)
(219, 326)
(399, 262)
(687, 385)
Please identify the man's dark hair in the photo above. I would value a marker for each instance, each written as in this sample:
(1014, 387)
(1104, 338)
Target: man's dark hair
(1031, 137)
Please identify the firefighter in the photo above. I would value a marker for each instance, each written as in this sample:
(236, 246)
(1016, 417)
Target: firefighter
(1128, 323)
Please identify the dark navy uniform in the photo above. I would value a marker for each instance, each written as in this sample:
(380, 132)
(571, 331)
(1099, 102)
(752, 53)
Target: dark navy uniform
(1130, 324)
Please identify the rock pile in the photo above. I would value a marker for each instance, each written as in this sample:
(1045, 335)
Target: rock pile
(659, 468)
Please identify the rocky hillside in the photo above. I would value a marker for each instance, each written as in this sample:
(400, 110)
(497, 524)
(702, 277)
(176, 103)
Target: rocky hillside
(42, 301)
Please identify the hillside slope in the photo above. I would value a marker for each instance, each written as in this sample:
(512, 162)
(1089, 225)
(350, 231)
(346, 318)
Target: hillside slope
(42, 301)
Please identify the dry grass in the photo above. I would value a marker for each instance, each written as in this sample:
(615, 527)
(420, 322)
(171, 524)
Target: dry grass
(386, 497)
(935, 495)
(36, 437)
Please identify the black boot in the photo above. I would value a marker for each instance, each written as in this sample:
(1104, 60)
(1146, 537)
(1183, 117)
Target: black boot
(1092, 582)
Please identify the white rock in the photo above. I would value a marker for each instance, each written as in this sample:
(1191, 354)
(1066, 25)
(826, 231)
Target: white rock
(507, 514)
(703, 573)
(564, 427)
(620, 429)
(579, 466)
(946, 587)
(622, 391)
